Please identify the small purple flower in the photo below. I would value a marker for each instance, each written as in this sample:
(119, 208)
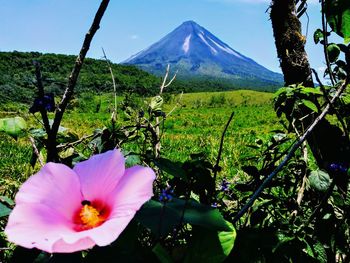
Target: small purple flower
(214, 205)
(338, 168)
(166, 195)
(45, 103)
(225, 185)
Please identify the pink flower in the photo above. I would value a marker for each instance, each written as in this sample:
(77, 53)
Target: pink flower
(64, 210)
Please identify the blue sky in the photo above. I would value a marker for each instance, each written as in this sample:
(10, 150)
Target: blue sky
(59, 26)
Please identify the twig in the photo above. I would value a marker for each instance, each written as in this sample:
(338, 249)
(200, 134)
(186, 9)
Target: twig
(52, 151)
(323, 201)
(164, 85)
(114, 114)
(290, 153)
(41, 94)
(301, 190)
(325, 95)
(67, 145)
(216, 166)
(36, 151)
(325, 44)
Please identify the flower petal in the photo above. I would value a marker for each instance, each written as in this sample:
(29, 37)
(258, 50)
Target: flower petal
(56, 186)
(100, 174)
(62, 247)
(132, 191)
(37, 225)
(102, 235)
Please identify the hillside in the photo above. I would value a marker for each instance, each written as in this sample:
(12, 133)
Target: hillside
(17, 76)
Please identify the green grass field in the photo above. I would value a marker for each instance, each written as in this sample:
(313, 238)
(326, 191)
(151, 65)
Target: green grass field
(194, 126)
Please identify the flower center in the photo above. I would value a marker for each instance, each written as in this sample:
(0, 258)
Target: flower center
(90, 215)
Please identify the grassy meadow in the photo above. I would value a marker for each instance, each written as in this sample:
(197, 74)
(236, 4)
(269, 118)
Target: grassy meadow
(194, 125)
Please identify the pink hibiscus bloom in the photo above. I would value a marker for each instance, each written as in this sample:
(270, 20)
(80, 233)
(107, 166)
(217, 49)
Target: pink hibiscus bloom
(64, 210)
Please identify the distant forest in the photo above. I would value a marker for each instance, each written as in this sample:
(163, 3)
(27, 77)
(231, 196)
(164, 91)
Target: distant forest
(17, 78)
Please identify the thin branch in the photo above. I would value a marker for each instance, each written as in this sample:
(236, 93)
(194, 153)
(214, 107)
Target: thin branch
(176, 105)
(164, 79)
(325, 95)
(52, 152)
(114, 114)
(41, 94)
(164, 85)
(71, 144)
(325, 44)
(290, 153)
(216, 166)
(167, 85)
(36, 151)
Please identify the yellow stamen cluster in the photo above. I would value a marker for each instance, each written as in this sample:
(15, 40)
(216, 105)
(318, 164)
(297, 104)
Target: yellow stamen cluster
(90, 217)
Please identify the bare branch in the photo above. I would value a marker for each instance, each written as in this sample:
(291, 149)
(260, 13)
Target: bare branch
(41, 94)
(114, 114)
(167, 85)
(52, 151)
(216, 166)
(36, 151)
(164, 79)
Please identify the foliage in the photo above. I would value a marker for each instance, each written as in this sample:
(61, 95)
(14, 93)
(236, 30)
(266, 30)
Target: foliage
(17, 76)
(302, 215)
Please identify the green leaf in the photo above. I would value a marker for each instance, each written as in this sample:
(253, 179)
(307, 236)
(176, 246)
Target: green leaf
(37, 133)
(161, 218)
(156, 103)
(311, 91)
(13, 126)
(172, 168)
(7, 200)
(4, 210)
(312, 106)
(162, 254)
(318, 35)
(210, 246)
(319, 180)
(320, 253)
(227, 239)
(132, 160)
(333, 52)
(338, 17)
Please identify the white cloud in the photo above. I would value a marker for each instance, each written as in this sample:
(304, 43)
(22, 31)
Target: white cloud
(134, 37)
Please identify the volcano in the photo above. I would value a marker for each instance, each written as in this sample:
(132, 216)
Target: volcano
(196, 53)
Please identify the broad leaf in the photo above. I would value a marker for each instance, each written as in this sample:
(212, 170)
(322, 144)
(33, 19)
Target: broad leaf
(172, 168)
(156, 103)
(4, 210)
(312, 106)
(338, 17)
(13, 126)
(162, 254)
(318, 35)
(333, 52)
(319, 180)
(161, 218)
(210, 246)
